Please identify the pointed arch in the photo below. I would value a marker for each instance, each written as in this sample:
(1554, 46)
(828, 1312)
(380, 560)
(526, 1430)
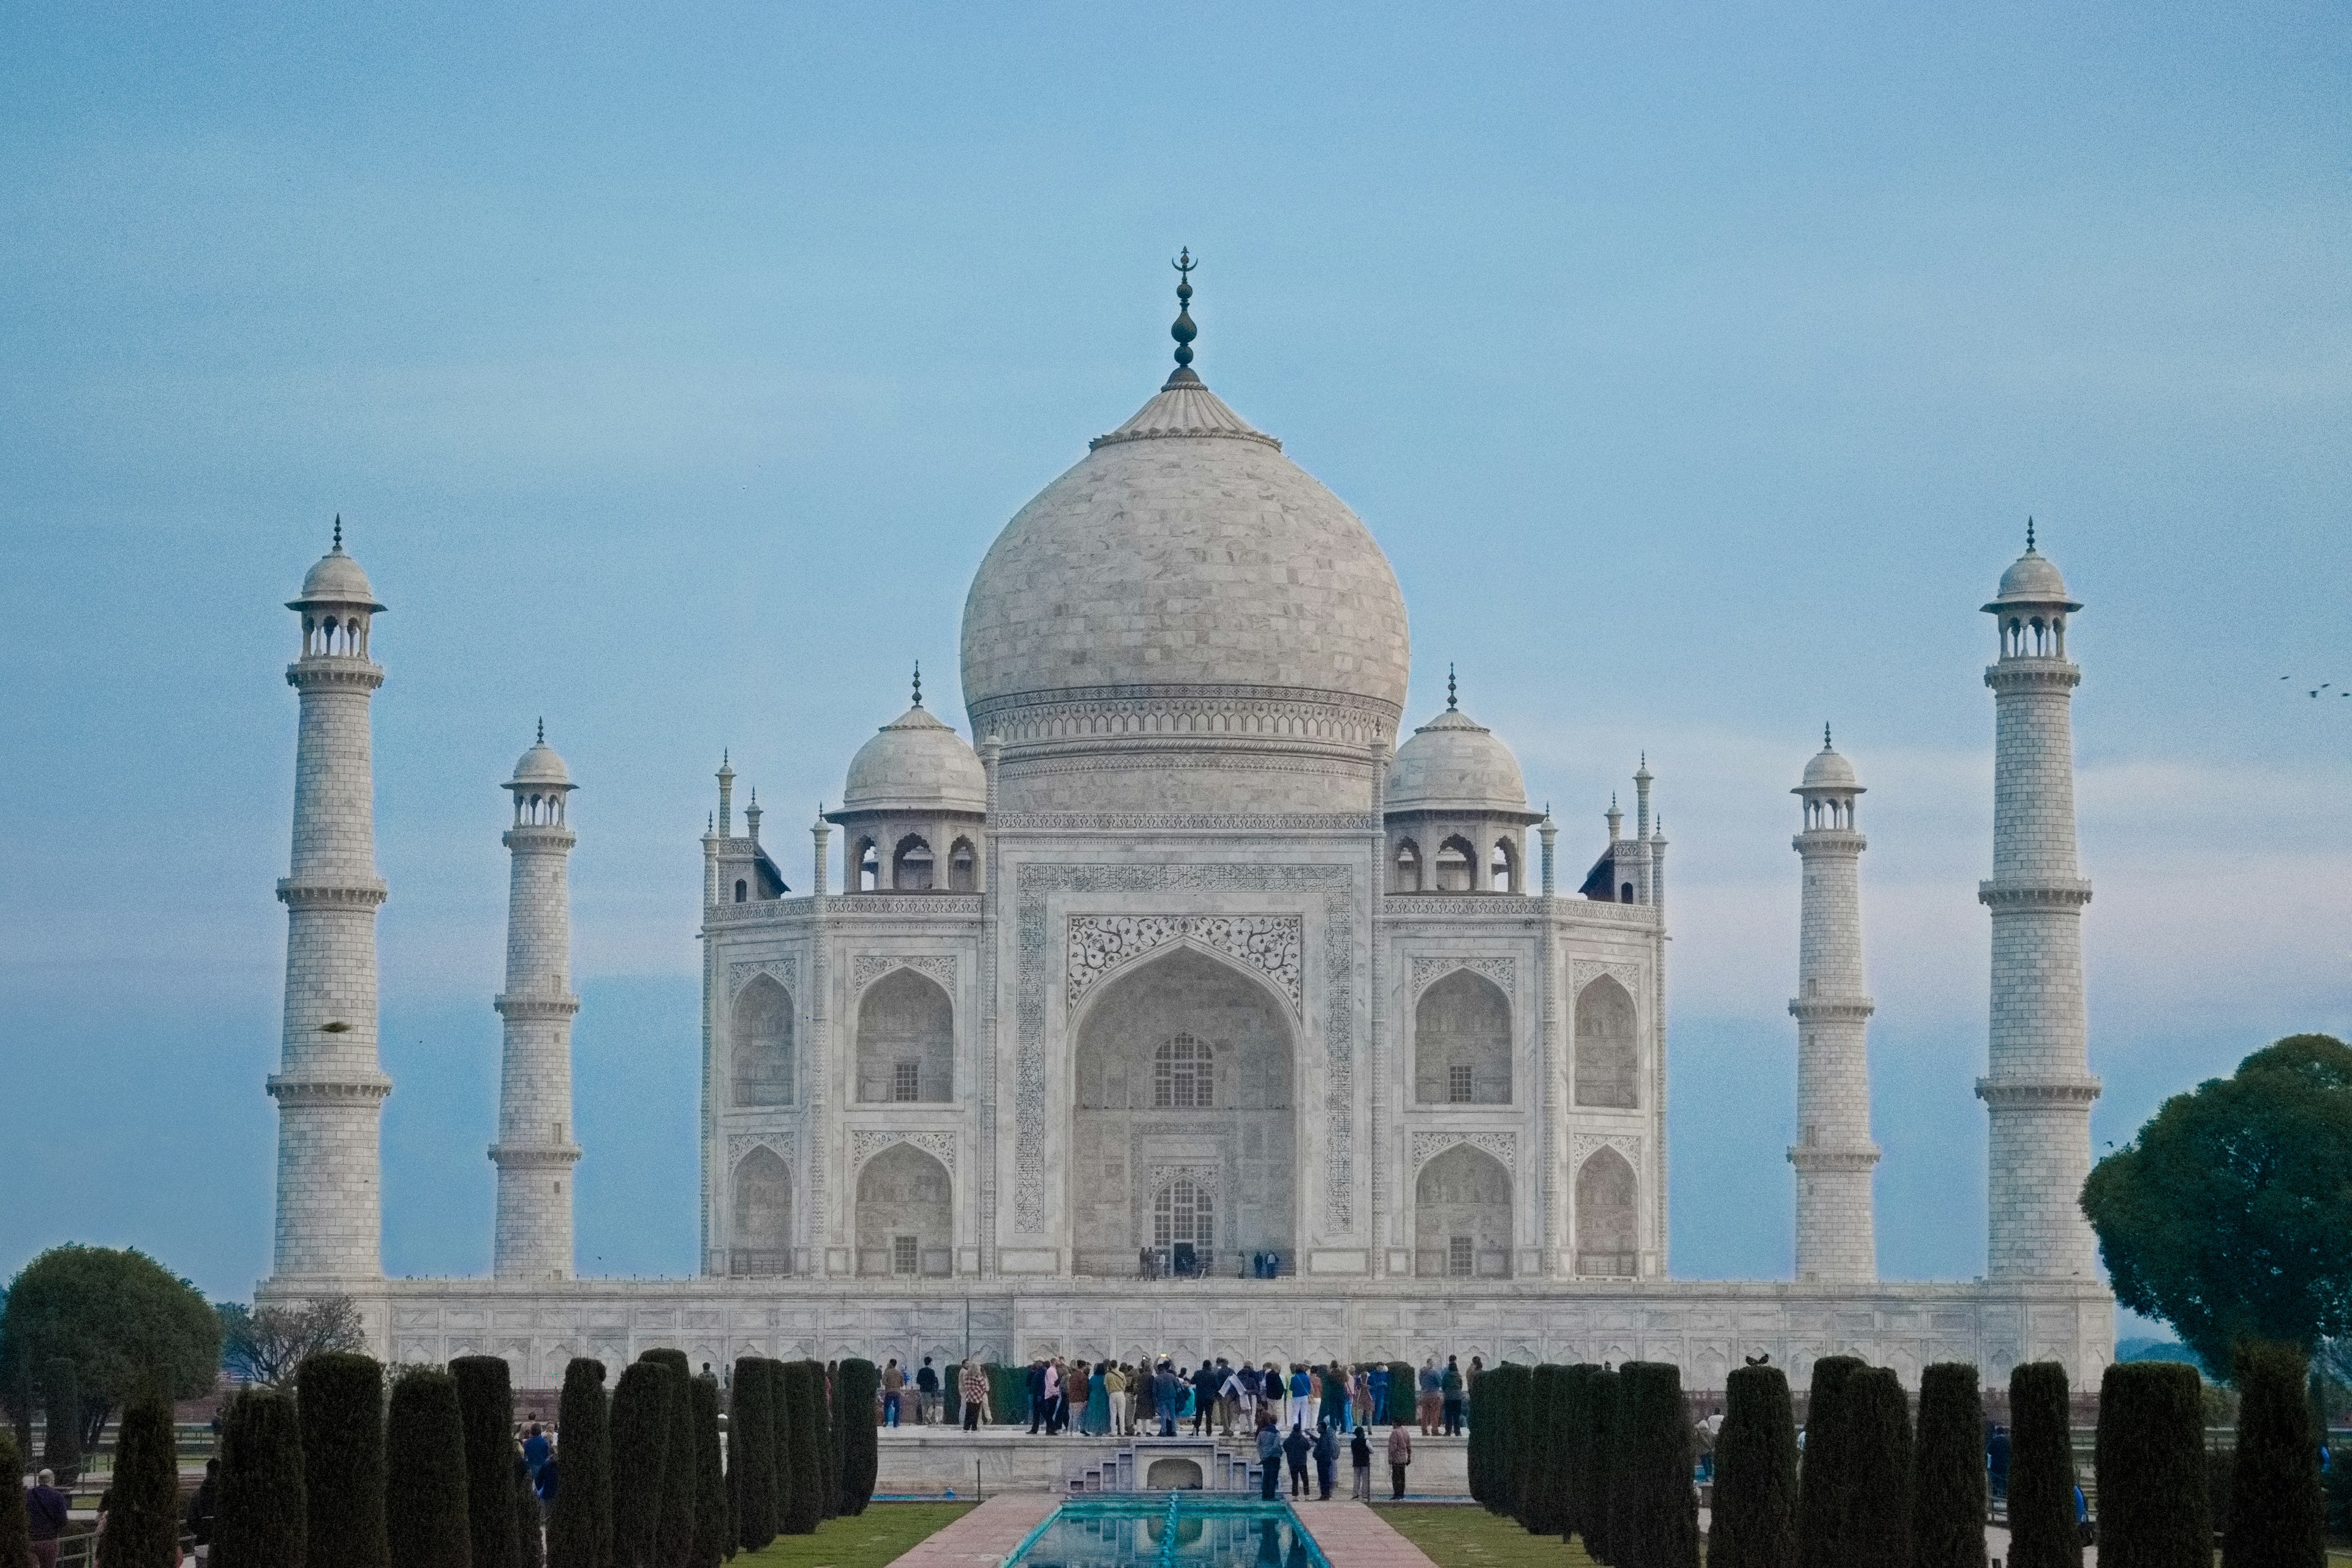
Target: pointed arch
(761, 1058)
(963, 868)
(763, 1213)
(906, 1040)
(1461, 1216)
(1608, 1047)
(1462, 1042)
(1607, 1220)
(906, 1213)
(1457, 866)
(1406, 877)
(910, 865)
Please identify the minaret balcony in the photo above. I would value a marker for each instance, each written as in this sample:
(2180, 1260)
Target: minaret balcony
(358, 893)
(2039, 893)
(514, 1007)
(1817, 1009)
(287, 1090)
(332, 671)
(2030, 674)
(1820, 1158)
(2033, 1091)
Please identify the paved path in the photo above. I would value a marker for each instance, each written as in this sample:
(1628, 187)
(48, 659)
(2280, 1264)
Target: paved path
(986, 1536)
(1352, 1536)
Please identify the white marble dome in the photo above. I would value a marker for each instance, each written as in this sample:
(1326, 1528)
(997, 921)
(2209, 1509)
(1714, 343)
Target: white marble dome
(1829, 771)
(915, 764)
(336, 580)
(540, 766)
(1454, 764)
(2033, 579)
(1184, 551)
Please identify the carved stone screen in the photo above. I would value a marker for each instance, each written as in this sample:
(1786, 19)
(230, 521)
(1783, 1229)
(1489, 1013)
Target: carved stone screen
(905, 1020)
(904, 1192)
(1462, 1192)
(1232, 1141)
(1462, 1021)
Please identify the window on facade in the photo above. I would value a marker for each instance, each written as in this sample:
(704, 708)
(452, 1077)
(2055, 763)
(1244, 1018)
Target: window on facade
(1183, 1213)
(1499, 875)
(869, 868)
(1457, 1085)
(905, 1258)
(1457, 1256)
(1182, 1075)
(906, 1081)
(1408, 868)
(743, 889)
(963, 869)
(910, 866)
(1456, 871)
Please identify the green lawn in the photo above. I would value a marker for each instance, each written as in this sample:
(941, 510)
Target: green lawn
(879, 1535)
(1457, 1537)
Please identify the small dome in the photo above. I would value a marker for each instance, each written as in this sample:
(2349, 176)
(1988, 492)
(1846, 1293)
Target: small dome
(540, 768)
(1829, 771)
(915, 764)
(1454, 763)
(2032, 579)
(336, 580)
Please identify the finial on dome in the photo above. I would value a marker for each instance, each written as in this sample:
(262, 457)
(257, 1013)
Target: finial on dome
(2029, 536)
(1825, 736)
(918, 683)
(542, 730)
(339, 534)
(1450, 697)
(1184, 330)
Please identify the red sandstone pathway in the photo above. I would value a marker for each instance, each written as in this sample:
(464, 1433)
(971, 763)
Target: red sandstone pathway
(986, 1536)
(1353, 1536)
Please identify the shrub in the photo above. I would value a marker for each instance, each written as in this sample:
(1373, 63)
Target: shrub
(341, 1410)
(1755, 1517)
(640, 1456)
(1008, 1393)
(1575, 1445)
(425, 1473)
(1600, 1466)
(828, 1452)
(580, 1525)
(16, 1528)
(1543, 1500)
(486, 1405)
(142, 1527)
(1653, 1507)
(804, 1498)
(1495, 1414)
(2041, 1529)
(1824, 1491)
(260, 1518)
(2275, 1506)
(2151, 1468)
(711, 1544)
(853, 1391)
(129, 1326)
(750, 1464)
(674, 1545)
(61, 1400)
(1404, 1391)
(530, 1545)
(1948, 1470)
(1878, 1417)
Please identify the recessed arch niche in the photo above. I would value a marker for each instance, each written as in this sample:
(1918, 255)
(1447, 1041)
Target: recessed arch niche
(1461, 1216)
(760, 1043)
(906, 1040)
(906, 1213)
(1462, 1042)
(1607, 1236)
(1608, 1049)
(762, 1212)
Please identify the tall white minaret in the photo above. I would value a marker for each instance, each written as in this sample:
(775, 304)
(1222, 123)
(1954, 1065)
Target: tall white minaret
(330, 1086)
(2038, 1089)
(1836, 1234)
(534, 1153)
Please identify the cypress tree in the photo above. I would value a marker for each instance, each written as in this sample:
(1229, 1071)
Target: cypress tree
(1947, 1472)
(1878, 1531)
(2276, 1510)
(2042, 1531)
(531, 1544)
(260, 1518)
(16, 1528)
(1477, 1452)
(1653, 1506)
(1755, 1517)
(425, 1473)
(1403, 1393)
(61, 1404)
(580, 1525)
(804, 1488)
(2151, 1468)
(341, 1410)
(1575, 1445)
(1600, 1474)
(486, 1405)
(1539, 1439)
(142, 1527)
(1824, 1492)
(859, 1457)
(780, 1418)
(674, 1543)
(750, 1471)
(640, 1456)
(711, 1544)
(828, 1455)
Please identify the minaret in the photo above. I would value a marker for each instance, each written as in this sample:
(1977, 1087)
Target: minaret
(2038, 1089)
(534, 1153)
(330, 1086)
(1836, 1238)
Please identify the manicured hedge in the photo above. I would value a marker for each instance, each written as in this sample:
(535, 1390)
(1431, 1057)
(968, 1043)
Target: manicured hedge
(2276, 1508)
(1539, 1437)
(1486, 1486)
(425, 1473)
(580, 1525)
(486, 1404)
(713, 1544)
(260, 1519)
(2151, 1466)
(1878, 1531)
(675, 1539)
(2041, 1529)
(751, 1459)
(1826, 1478)
(341, 1410)
(1575, 1445)
(142, 1527)
(531, 1543)
(640, 1456)
(803, 1505)
(1404, 1394)
(1653, 1507)
(1947, 1472)
(1008, 1393)
(828, 1452)
(854, 1392)
(1754, 1522)
(1600, 1468)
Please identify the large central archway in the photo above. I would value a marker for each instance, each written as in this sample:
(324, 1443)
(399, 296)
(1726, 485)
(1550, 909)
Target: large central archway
(1184, 1120)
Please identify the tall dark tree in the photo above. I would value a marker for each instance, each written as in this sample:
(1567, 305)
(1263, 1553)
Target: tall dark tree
(142, 1527)
(859, 1457)
(61, 1433)
(750, 1463)
(129, 1326)
(2276, 1510)
(780, 1420)
(1490, 1475)
(2226, 1215)
(2151, 1468)
(1878, 1531)
(675, 1546)
(580, 1525)
(711, 1544)
(261, 1519)
(486, 1405)
(1948, 1470)
(1653, 1506)
(342, 1410)
(1403, 1393)
(640, 1456)
(1824, 1482)
(1599, 1442)
(2041, 1529)
(1539, 1438)
(828, 1456)
(804, 1487)
(425, 1473)
(530, 1542)
(16, 1528)
(1754, 1524)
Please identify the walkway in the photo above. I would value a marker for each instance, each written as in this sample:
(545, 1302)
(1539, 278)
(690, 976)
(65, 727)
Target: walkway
(986, 1536)
(1352, 1536)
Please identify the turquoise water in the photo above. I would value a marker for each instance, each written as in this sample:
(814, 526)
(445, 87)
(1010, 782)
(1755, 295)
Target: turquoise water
(1181, 1529)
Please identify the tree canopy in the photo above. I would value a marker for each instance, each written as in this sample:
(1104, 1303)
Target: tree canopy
(2226, 1215)
(127, 1324)
(264, 1344)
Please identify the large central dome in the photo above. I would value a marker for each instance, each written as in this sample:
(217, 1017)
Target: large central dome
(1185, 591)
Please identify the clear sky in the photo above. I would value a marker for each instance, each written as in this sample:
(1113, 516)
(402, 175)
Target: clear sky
(671, 369)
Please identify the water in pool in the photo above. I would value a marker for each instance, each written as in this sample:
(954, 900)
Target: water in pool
(1181, 1530)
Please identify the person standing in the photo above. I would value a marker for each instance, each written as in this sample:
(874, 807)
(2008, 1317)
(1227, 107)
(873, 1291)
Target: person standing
(894, 1386)
(1335, 1396)
(1206, 1380)
(927, 1394)
(1295, 1448)
(544, 1486)
(1400, 1455)
(1058, 1397)
(1099, 1401)
(1269, 1457)
(1449, 1388)
(535, 1448)
(1229, 1396)
(203, 1505)
(45, 1509)
(1036, 1395)
(1427, 1395)
(1996, 1459)
(1167, 1397)
(971, 1387)
(1359, 1452)
(1302, 1390)
(1326, 1460)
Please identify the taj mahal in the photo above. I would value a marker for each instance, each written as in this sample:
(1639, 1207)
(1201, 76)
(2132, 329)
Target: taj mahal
(1193, 997)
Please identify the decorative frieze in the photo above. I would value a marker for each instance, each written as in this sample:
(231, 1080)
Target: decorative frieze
(1503, 1145)
(1582, 1145)
(1100, 946)
(869, 967)
(781, 1142)
(1502, 971)
(866, 1143)
(1583, 972)
(783, 970)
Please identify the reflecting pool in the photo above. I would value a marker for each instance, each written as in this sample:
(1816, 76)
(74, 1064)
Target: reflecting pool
(1181, 1530)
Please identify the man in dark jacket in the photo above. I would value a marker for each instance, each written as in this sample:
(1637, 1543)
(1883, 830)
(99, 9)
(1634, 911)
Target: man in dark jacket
(927, 1394)
(46, 1508)
(1205, 1379)
(1449, 1388)
(1327, 1459)
(1269, 1457)
(1036, 1395)
(1167, 1397)
(1296, 1448)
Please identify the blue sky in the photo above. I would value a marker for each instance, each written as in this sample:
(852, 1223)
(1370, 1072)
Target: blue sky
(671, 370)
